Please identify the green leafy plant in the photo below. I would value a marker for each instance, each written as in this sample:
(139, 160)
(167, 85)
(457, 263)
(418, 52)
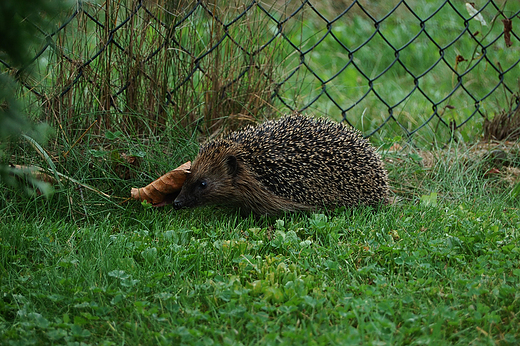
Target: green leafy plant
(20, 23)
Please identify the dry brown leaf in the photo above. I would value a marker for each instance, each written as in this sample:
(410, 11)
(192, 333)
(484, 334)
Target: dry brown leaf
(508, 27)
(163, 190)
(36, 172)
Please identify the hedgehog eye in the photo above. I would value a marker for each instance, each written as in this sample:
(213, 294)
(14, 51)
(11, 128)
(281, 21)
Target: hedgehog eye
(203, 184)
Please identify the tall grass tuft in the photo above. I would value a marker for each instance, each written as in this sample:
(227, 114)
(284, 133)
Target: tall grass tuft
(142, 67)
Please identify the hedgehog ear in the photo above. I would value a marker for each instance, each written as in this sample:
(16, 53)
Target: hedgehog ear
(232, 165)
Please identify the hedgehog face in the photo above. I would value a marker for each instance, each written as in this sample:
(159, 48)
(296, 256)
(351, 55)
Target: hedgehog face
(210, 182)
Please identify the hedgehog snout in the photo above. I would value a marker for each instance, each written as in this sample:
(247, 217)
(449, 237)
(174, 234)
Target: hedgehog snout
(177, 204)
(185, 199)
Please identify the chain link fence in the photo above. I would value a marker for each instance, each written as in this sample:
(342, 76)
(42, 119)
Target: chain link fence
(434, 68)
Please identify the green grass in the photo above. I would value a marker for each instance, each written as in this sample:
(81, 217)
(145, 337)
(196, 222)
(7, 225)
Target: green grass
(440, 266)
(372, 57)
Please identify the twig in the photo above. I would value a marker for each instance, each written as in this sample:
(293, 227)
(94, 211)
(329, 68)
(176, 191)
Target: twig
(79, 139)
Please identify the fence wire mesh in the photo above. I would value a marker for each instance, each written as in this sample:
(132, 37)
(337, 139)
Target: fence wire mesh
(387, 67)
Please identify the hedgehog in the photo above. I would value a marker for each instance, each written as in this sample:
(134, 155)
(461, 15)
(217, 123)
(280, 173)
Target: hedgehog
(296, 163)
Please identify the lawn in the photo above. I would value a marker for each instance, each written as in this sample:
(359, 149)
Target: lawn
(84, 265)
(439, 266)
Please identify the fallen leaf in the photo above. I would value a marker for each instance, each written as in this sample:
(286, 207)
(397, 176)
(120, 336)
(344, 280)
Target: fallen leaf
(394, 234)
(474, 13)
(163, 190)
(508, 27)
(491, 172)
(395, 147)
(459, 58)
(36, 172)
